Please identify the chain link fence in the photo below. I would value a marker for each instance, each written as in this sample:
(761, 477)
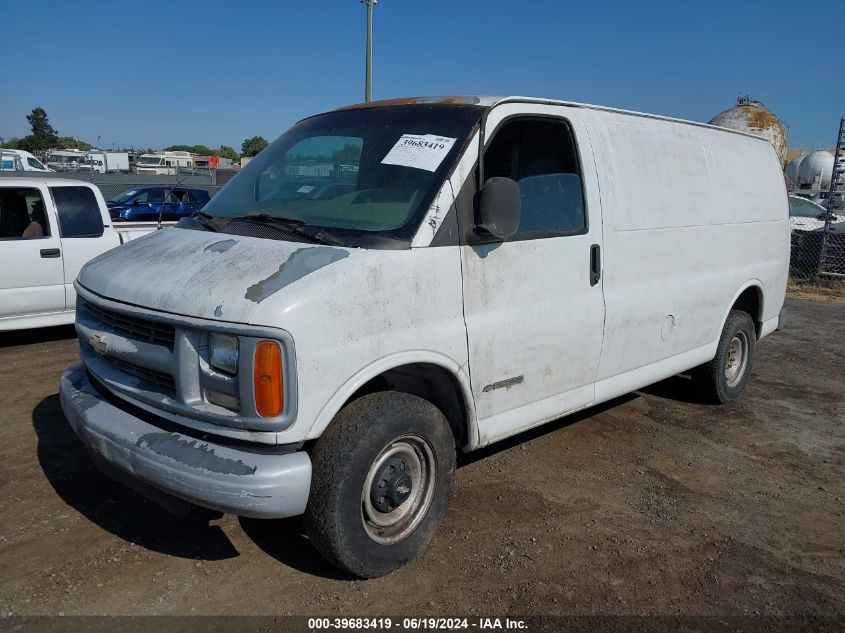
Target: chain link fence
(817, 240)
(817, 216)
(112, 189)
(113, 184)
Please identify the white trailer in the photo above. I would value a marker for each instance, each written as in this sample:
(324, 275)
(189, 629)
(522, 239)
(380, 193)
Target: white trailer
(65, 159)
(106, 162)
(164, 163)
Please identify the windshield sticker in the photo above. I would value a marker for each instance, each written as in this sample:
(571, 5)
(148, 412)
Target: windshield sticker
(423, 151)
(305, 189)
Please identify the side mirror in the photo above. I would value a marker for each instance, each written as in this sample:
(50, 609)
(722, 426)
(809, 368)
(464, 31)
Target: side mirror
(137, 202)
(501, 207)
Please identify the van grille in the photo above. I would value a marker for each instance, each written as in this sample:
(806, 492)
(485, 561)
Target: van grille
(149, 375)
(136, 328)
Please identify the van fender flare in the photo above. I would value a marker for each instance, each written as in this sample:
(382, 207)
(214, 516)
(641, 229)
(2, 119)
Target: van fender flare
(751, 283)
(394, 361)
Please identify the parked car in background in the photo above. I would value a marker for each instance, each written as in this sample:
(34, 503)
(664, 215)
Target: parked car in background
(838, 199)
(20, 160)
(144, 204)
(810, 242)
(805, 215)
(48, 230)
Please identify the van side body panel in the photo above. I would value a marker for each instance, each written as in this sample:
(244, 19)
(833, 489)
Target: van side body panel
(351, 322)
(692, 217)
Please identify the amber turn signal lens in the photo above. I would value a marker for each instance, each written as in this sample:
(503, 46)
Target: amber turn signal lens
(267, 377)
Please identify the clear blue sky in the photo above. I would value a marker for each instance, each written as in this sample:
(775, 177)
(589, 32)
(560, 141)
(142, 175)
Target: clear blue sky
(152, 73)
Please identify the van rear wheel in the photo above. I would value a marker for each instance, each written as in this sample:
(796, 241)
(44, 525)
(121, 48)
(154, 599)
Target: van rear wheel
(382, 477)
(724, 378)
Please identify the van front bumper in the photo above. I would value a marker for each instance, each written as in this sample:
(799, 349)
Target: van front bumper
(234, 479)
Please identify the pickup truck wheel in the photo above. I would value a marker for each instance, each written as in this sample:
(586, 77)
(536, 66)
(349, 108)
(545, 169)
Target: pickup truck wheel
(724, 378)
(382, 477)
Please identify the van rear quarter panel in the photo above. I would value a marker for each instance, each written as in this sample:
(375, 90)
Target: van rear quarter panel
(692, 215)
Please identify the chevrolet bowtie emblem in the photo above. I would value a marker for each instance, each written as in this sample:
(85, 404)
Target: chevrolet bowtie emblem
(98, 344)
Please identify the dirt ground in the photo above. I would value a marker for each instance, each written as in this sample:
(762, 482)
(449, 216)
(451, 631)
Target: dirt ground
(651, 504)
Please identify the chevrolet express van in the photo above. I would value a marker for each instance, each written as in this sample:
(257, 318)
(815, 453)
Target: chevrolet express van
(391, 282)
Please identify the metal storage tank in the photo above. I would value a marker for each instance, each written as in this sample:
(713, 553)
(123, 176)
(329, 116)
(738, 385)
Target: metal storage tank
(751, 116)
(818, 165)
(792, 169)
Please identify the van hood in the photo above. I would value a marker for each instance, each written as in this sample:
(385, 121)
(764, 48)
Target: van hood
(204, 274)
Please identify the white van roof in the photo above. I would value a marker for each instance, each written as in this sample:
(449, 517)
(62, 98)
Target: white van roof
(489, 101)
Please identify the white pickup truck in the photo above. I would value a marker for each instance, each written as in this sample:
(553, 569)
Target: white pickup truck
(49, 228)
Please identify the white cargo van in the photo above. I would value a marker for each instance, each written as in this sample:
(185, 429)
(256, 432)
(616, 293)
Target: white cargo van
(48, 229)
(390, 282)
(20, 160)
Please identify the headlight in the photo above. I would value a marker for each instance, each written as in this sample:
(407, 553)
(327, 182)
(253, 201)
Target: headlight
(224, 353)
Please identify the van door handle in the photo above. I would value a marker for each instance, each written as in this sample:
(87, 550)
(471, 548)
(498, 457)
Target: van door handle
(595, 264)
(50, 252)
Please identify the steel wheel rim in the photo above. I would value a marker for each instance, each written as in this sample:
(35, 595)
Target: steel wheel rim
(391, 527)
(736, 359)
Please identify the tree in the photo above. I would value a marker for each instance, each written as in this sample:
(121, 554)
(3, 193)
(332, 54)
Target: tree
(228, 152)
(251, 146)
(349, 155)
(202, 150)
(43, 134)
(68, 142)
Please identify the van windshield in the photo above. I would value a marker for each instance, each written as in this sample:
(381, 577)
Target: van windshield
(355, 173)
(149, 160)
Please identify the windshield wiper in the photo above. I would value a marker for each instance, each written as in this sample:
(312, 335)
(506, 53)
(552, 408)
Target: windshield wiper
(270, 219)
(316, 235)
(205, 220)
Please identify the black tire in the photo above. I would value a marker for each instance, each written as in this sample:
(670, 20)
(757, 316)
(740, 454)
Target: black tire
(345, 457)
(716, 382)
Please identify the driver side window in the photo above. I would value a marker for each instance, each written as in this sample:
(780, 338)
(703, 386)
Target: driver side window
(540, 155)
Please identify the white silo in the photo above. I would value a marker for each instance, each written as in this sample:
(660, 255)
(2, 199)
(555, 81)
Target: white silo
(752, 117)
(815, 169)
(791, 171)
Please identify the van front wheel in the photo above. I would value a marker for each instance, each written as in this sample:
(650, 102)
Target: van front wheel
(724, 378)
(382, 477)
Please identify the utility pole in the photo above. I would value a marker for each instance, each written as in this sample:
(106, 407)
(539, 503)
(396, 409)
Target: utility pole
(368, 79)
